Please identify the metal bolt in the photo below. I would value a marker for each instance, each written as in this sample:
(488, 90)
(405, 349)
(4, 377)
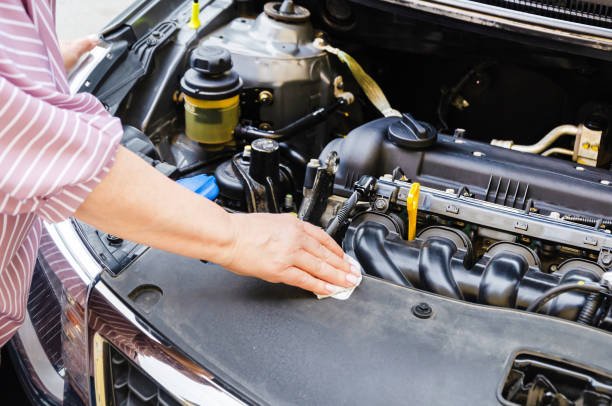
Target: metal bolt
(555, 214)
(422, 310)
(266, 97)
(380, 204)
(605, 182)
(451, 191)
(478, 154)
(606, 259)
(265, 126)
(580, 168)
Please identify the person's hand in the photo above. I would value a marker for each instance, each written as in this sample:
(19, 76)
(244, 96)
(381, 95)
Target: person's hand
(279, 248)
(72, 51)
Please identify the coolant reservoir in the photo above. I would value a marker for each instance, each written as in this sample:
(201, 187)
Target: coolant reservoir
(212, 100)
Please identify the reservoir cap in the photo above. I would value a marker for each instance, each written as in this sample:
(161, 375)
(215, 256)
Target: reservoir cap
(211, 76)
(211, 60)
(204, 185)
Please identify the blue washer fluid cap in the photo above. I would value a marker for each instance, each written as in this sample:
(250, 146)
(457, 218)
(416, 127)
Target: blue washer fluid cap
(204, 185)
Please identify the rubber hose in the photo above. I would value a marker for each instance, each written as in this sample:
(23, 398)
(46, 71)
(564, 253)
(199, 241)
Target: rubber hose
(587, 314)
(343, 213)
(557, 290)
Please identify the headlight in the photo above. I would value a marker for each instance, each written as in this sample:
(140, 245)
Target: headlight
(64, 303)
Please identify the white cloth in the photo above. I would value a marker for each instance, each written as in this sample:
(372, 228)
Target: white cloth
(346, 292)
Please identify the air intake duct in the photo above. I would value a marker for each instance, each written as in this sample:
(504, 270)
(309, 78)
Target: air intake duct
(441, 261)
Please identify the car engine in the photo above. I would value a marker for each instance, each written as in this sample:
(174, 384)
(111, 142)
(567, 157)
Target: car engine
(496, 190)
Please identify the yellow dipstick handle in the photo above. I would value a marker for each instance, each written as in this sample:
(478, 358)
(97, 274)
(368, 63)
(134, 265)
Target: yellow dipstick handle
(195, 15)
(412, 204)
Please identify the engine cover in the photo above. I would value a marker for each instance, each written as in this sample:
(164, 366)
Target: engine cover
(510, 178)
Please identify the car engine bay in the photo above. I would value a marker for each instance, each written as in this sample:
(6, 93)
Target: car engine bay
(287, 123)
(487, 179)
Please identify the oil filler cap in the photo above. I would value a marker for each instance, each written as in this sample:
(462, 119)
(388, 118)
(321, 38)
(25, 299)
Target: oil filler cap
(411, 134)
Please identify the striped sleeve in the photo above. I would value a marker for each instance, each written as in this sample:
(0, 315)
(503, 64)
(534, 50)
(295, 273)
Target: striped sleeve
(51, 157)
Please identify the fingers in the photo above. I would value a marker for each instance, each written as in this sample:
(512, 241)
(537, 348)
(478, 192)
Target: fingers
(320, 251)
(299, 278)
(83, 45)
(322, 270)
(323, 238)
(74, 50)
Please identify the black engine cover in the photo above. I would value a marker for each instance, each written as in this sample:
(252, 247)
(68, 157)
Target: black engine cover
(491, 173)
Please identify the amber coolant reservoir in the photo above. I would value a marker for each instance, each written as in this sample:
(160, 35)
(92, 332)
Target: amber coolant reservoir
(212, 102)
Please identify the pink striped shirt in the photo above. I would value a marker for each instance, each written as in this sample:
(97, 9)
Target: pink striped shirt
(54, 147)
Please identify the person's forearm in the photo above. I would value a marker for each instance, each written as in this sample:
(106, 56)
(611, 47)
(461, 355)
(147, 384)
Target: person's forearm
(137, 203)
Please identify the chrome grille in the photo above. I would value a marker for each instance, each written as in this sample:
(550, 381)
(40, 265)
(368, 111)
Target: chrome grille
(131, 387)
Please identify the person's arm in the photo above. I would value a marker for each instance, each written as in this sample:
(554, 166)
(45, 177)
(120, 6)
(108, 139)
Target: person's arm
(136, 202)
(51, 159)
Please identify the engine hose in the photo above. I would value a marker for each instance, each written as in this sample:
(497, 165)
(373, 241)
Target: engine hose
(560, 151)
(541, 145)
(290, 130)
(343, 213)
(292, 155)
(550, 294)
(587, 314)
